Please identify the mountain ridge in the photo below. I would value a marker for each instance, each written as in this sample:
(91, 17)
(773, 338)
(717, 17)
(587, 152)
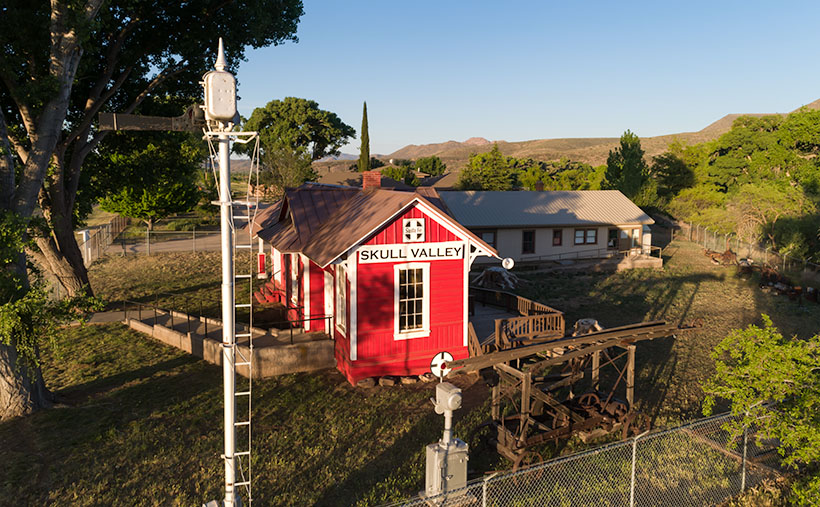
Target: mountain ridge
(592, 150)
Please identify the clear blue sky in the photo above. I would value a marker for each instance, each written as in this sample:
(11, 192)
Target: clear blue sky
(432, 71)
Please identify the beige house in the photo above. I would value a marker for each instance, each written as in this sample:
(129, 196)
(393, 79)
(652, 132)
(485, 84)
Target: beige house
(553, 225)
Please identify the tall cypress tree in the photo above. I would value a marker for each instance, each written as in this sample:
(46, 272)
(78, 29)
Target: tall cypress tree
(364, 156)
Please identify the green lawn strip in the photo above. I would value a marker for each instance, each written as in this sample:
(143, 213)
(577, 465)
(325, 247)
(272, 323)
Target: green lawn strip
(143, 422)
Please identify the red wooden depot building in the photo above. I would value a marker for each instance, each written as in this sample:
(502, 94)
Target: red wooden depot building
(389, 268)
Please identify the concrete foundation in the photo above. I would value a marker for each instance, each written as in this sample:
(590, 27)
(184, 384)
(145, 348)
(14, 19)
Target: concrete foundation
(272, 355)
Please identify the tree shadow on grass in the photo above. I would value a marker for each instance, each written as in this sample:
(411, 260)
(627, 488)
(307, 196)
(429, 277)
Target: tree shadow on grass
(80, 393)
(108, 445)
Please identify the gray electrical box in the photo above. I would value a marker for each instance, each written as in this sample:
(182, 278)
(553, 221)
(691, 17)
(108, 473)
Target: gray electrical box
(446, 467)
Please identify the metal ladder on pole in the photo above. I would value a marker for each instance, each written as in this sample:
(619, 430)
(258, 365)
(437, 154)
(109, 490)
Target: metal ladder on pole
(244, 215)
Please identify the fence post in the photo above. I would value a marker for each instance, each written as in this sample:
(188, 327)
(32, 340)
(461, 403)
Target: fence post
(484, 489)
(194, 239)
(745, 446)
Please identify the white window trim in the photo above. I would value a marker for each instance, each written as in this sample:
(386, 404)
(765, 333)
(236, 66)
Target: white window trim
(306, 291)
(341, 298)
(294, 279)
(425, 330)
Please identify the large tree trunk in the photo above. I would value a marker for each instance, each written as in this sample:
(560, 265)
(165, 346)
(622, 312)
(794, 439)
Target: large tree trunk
(66, 263)
(19, 393)
(60, 254)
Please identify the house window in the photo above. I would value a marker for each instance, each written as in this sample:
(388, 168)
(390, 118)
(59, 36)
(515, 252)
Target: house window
(586, 236)
(294, 278)
(341, 297)
(527, 242)
(636, 238)
(557, 237)
(488, 237)
(412, 300)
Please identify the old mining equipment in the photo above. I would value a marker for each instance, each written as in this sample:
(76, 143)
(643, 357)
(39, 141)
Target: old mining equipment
(447, 458)
(555, 390)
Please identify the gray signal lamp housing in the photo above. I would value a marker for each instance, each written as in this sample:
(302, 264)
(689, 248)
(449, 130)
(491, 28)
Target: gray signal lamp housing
(220, 96)
(448, 397)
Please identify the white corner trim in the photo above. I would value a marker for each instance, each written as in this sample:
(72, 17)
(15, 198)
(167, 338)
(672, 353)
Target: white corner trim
(425, 322)
(466, 289)
(306, 282)
(352, 263)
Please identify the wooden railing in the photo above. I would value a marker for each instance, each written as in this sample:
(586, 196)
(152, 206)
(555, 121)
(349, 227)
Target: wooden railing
(510, 333)
(537, 322)
(513, 303)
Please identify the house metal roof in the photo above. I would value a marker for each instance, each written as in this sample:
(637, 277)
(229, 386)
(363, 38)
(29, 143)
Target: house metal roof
(324, 222)
(478, 209)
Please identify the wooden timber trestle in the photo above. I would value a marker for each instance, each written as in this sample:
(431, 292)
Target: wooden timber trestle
(554, 390)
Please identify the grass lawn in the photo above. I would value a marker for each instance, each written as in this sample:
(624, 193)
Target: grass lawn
(690, 289)
(141, 423)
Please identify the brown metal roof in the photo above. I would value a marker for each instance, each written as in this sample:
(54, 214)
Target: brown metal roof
(324, 222)
(432, 195)
(267, 217)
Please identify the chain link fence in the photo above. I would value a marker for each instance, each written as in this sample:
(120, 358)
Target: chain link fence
(145, 242)
(694, 464)
(94, 242)
(798, 269)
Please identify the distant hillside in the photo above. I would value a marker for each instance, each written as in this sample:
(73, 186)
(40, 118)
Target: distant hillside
(592, 150)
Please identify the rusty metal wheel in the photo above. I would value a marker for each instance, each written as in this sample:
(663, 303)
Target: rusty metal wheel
(526, 460)
(635, 424)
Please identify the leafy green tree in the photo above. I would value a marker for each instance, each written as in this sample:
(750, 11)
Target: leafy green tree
(757, 207)
(64, 62)
(285, 168)
(297, 126)
(364, 154)
(562, 174)
(401, 173)
(672, 175)
(626, 169)
(154, 181)
(61, 64)
(488, 171)
(772, 382)
(431, 165)
(293, 133)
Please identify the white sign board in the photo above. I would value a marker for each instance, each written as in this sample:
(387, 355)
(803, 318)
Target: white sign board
(413, 229)
(369, 254)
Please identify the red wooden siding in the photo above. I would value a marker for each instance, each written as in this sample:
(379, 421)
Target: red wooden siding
(378, 352)
(316, 298)
(392, 232)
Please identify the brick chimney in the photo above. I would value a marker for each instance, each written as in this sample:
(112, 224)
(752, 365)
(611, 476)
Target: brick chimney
(539, 186)
(371, 180)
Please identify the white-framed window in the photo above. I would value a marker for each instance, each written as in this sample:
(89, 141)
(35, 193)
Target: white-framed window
(411, 310)
(586, 236)
(294, 278)
(341, 297)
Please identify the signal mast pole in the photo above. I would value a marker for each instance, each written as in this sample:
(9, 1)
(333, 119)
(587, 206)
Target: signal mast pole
(220, 113)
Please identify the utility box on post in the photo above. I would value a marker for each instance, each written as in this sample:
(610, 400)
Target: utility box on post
(447, 458)
(446, 467)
